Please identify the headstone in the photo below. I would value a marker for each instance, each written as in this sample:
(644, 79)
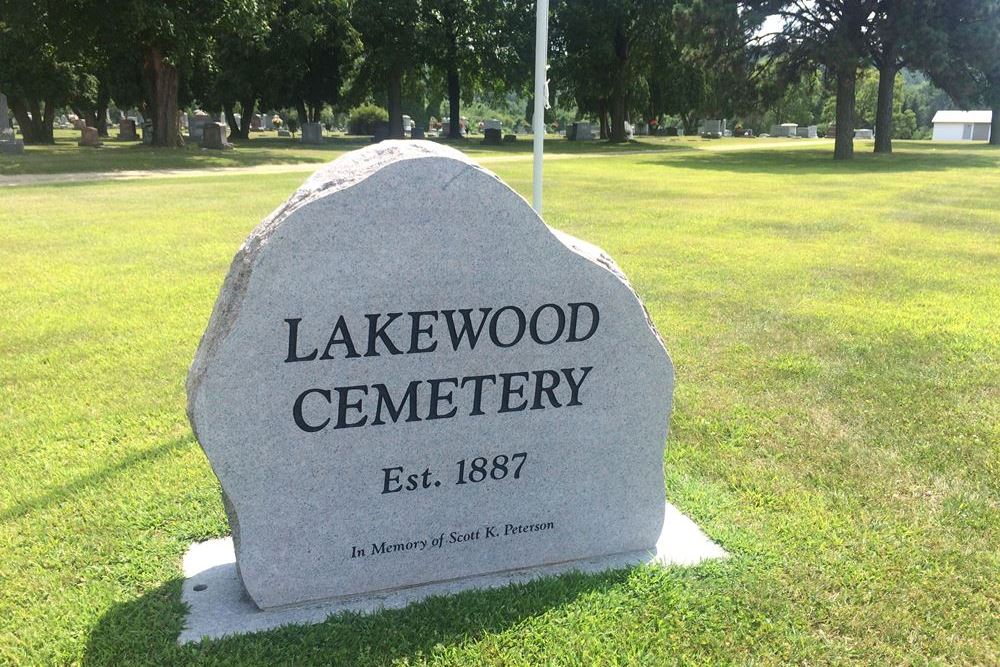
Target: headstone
(89, 137)
(213, 136)
(9, 143)
(79, 124)
(509, 138)
(409, 378)
(312, 133)
(126, 130)
(147, 133)
(863, 134)
(381, 131)
(4, 113)
(784, 130)
(268, 122)
(492, 136)
(713, 129)
(256, 122)
(417, 132)
(196, 125)
(282, 132)
(581, 131)
(492, 124)
(806, 131)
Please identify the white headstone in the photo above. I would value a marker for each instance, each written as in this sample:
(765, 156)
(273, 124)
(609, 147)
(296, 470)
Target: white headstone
(409, 378)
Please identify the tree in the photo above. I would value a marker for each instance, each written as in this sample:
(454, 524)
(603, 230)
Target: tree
(313, 52)
(392, 34)
(970, 69)
(832, 34)
(608, 46)
(37, 64)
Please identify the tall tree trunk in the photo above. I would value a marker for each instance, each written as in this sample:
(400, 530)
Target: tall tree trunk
(161, 83)
(246, 116)
(103, 98)
(995, 123)
(300, 106)
(886, 88)
(619, 87)
(690, 122)
(843, 148)
(454, 90)
(602, 117)
(617, 133)
(34, 129)
(396, 102)
(234, 127)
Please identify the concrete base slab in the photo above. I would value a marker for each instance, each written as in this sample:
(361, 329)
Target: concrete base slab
(218, 606)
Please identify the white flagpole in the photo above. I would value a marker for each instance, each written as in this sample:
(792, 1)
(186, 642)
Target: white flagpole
(538, 118)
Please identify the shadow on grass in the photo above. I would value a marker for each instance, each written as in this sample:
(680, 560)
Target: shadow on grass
(61, 493)
(820, 160)
(145, 630)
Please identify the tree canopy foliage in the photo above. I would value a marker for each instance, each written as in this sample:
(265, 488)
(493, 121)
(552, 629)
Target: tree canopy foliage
(620, 61)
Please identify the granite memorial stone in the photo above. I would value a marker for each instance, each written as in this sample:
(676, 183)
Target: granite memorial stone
(409, 378)
(126, 130)
(213, 135)
(89, 136)
(312, 133)
(492, 136)
(581, 131)
(9, 143)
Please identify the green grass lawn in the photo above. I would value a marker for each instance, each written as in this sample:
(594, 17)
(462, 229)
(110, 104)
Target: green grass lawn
(836, 334)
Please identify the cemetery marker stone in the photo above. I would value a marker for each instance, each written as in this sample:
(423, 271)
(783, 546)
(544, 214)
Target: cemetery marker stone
(409, 378)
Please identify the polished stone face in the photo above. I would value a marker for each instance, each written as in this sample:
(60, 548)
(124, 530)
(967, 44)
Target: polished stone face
(408, 377)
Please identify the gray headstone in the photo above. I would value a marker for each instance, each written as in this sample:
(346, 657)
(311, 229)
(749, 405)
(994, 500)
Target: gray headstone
(312, 133)
(365, 443)
(4, 113)
(863, 133)
(581, 132)
(381, 131)
(213, 135)
(196, 126)
(126, 130)
(417, 132)
(492, 136)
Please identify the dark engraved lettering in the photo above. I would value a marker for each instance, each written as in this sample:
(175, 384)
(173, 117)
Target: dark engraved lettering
(343, 405)
(341, 335)
(416, 331)
(467, 330)
(297, 411)
(376, 333)
(521, 326)
(293, 342)
(392, 477)
(575, 385)
(509, 390)
(438, 397)
(574, 320)
(477, 396)
(560, 324)
(409, 397)
(548, 390)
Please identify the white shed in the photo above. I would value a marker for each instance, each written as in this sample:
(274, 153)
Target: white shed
(952, 125)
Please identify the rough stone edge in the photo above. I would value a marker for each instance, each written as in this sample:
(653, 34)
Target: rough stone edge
(230, 612)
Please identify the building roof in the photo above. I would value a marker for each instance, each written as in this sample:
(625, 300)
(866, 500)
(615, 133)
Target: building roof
(951, 116)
